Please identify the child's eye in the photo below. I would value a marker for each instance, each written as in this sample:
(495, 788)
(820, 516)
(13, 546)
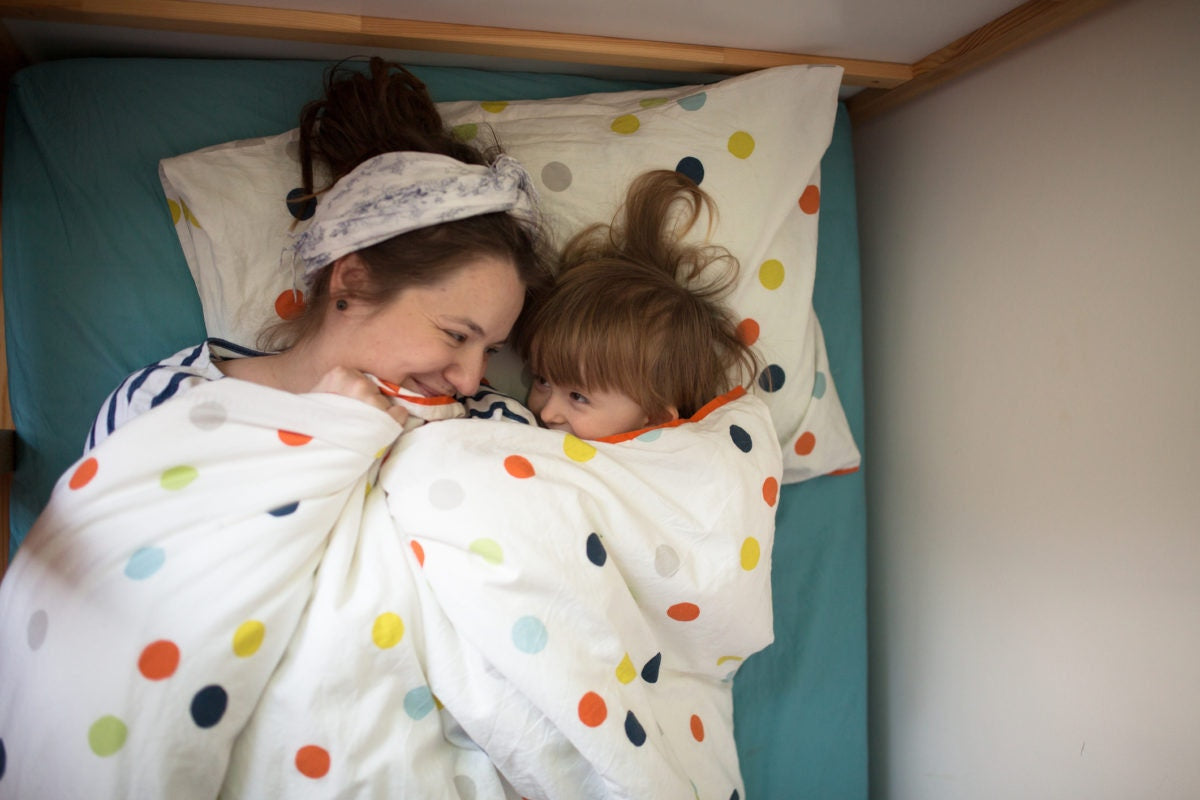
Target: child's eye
(579, 398)
(541, 382)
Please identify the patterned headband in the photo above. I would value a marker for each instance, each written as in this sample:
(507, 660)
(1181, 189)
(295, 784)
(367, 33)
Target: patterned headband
(399, 192)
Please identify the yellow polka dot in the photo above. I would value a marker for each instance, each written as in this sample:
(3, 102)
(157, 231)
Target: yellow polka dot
(176, 212)
(387, 631)
(466, 132)
(770, 274)
(626, 671)
(577, 449)
(651, 102)
(723, 659)
(189, 216)
(488, 549)
(750, 553)
(625, 124)
(741, 144)
(248, 638)
(178, 477)
(493, 106)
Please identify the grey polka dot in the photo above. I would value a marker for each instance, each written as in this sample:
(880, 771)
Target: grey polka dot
(556, 176)
(208, 416)
(445, 494)
(666, 561)
(465, 787)
(39, 623)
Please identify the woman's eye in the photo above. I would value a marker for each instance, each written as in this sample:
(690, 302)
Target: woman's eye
(491, 351)
(456, 336)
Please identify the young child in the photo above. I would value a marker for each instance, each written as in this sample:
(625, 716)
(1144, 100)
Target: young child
(630, 336)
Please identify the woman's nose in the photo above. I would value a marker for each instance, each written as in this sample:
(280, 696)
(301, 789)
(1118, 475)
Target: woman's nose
(466, 374)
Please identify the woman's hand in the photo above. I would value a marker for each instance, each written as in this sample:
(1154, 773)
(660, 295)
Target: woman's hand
(352, 383)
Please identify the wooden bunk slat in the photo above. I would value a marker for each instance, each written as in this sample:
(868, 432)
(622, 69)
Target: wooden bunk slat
(1022, 25)
(336, 28)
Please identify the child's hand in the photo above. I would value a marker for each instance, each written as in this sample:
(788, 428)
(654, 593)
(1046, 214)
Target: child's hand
(352, 383)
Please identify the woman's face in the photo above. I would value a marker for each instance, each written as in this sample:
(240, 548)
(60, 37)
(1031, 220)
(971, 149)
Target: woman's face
(436, 340)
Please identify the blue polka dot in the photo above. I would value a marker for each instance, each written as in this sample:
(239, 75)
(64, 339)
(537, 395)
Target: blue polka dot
(819, 385)
(735, 795)
(3, 758)
(691, 167)
(771, 379)
(208, 706)
(284, 510)
(693, 102)
(299, 206)
(595, 550)
(529, 635)
(418, 702)
(650, 671)
(144, 562)
(634, 730)
(741, 438)
(650, 435)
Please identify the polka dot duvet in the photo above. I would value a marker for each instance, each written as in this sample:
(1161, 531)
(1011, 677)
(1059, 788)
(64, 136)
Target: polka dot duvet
(245, 593)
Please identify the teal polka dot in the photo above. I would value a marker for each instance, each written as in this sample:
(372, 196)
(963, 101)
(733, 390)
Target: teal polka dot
(650, 436)
(418, 702)
(529, 635)
(693, 102)
(819, 385)
(144, 563)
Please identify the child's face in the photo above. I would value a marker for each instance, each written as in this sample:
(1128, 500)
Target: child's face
(586, 414)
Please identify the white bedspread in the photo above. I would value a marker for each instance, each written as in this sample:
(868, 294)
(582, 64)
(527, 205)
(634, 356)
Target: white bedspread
(248, 593)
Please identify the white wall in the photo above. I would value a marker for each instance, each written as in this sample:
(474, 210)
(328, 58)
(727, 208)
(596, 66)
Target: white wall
(1031, 257)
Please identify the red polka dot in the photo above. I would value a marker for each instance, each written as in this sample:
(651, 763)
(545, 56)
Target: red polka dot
(592, 710)
(518, 467)
(770, 491)
(684, 612)
(289, 304)
(806, 443)
(418, 551)
(810, 200)
(293, 439)
(747, 331)
(697, 728)
(159, 660)
(84, 473)
(312, 761)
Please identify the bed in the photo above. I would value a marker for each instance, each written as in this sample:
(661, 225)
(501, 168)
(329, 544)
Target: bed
(97, 284)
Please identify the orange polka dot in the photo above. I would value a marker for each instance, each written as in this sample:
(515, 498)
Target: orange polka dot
(592, 710)
(518, 467)
(770, 490)
(290, 304)
(293, 439)
(806, 443)
(747, 331)
(312, 761)
(810, 200)
(697, 728)
(84, 473)
(684, 612)
(418, 551)
(159, 660)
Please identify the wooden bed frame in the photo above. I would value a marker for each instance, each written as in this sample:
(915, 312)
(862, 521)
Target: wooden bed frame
(881, 85)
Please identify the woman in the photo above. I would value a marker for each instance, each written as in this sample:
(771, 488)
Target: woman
(416, 262)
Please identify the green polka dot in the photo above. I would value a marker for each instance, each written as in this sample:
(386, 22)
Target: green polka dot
(627, 123)
(651, 102)
(741, 144)
(178, 477)
(466, 132)
(488, 549)
(493, 106)
(770, 274)
(107, 736)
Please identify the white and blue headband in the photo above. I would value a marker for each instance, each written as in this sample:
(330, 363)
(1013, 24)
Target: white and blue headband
(398, 192)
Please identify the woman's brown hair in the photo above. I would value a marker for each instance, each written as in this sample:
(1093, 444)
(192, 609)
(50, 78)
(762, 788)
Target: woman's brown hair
(637, 310)
(363, 114)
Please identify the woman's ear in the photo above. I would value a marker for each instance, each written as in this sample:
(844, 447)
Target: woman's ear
(347, 276)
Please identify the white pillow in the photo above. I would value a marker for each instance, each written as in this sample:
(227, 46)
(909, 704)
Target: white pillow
(753, 142)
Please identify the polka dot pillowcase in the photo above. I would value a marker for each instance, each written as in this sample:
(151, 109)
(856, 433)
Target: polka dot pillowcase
(753, 142)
